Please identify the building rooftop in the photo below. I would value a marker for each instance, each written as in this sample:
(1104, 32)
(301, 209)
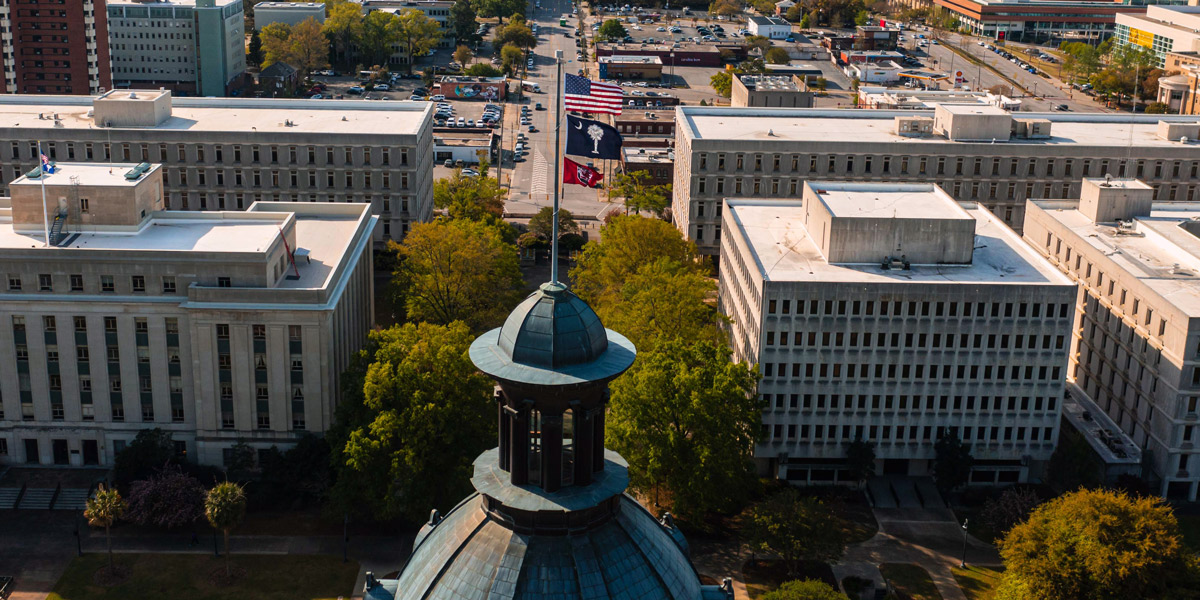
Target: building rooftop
(291, 5)
(1162, 249)
(162, 3)
(241, 115)
(892, 201)
(877, 126)
(84, 174)
(770, 83)
(648, 155)
(1102, 434)
(783, 249)
(631, 58)
(770, 21)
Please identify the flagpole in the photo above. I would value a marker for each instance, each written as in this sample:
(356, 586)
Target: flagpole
(558, 158)
(42, 177)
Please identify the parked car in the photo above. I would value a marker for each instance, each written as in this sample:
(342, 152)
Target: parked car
(539, 106)
(449, 163)
(356, 90)
(315, 97)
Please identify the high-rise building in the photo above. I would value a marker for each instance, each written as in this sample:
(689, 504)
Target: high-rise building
(975, 153)
(1135, 352)
(892, 314)
(1161, 29)
(217, 327)
(228, 153)
(54, 48)
(193, 47)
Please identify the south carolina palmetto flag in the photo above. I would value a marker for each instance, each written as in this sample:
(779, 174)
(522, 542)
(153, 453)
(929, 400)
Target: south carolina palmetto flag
(578, 174)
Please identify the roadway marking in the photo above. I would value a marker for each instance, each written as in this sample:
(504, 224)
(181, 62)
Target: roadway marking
(540, 168)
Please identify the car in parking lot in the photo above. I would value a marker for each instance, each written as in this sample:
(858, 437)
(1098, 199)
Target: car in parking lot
(462, 122)
(533, 129)
(539, 106)
(354, 90)
(437, 97)
(383, 87)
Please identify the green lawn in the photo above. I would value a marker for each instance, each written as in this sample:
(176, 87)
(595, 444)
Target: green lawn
(187, 577)
(978, 583)
(911, 580)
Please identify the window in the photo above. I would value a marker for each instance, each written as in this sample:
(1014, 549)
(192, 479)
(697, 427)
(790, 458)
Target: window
(45, 282)
(260, 332)
(224, 282)
(14, 283)
(49, 323)
(106, 284)
(168, 284)
(138, 282)
(222, 331)
(294, 333)
(76, 282)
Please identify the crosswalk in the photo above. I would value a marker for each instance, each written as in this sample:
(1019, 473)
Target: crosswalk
(538, 186)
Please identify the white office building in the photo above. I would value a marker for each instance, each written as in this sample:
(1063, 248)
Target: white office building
(288, 13)
(894, 314)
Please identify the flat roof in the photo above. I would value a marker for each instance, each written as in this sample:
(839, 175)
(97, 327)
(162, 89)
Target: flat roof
(1163, 251)
(97, 174)
(160, 3)
(289, 5)
(242, 115)
(878, 126)
(973, 109)
(326, 233)
(887, 200)
(648, 155)
(631, 58)
(784, 251)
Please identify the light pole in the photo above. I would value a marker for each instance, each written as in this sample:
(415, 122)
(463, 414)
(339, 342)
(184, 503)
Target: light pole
(962, 564)
(671, 84)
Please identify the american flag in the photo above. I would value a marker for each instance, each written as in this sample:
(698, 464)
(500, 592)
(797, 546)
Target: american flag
(583, 94)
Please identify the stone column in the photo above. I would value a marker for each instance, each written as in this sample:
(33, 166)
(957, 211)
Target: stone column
(552, 434)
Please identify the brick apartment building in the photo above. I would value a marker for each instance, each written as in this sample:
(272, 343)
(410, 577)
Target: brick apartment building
(59, 48)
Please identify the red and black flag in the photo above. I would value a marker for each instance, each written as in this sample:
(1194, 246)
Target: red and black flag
(578, 174)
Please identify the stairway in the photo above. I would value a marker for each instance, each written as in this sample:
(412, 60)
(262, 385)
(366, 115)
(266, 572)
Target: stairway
(56, 234)
(37, 499)
(8, 497)
(72, 499)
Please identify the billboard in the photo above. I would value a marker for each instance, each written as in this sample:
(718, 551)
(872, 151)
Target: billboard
(473, 90)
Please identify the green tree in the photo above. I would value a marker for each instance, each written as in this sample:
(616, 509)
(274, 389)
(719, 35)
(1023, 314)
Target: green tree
(343, 26)
(541, 223)
(795, 528)
(1073, 464)
(380, 31)
(150, 450)
(511, 59)
(860, 460)
(225, 507)
(798, 10)
(722, 83)
(463, 22)
(275, 45)
(807, 589)
(1097, 545)
(1011, 507)
(761, 42)
(777, 56)
(457, 270)
(862, 18)
(611, 30)
(416, 33)
(308, 49)
(1157, 108)
(501, 9)
(686, 417)
(725, 8)
(952, 463)
(640, 194)
(626, 244)
(483, 70)
(516, 33)
(463, 54)
(416, 414)
(254, 55)
(474, 198)
(103, 509)
(664, 300)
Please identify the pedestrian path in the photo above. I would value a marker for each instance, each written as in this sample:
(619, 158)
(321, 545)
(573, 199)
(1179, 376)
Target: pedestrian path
(538, 187)
(37, 499)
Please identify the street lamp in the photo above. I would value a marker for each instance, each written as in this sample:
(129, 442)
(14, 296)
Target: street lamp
(671, 84)
(962, 564)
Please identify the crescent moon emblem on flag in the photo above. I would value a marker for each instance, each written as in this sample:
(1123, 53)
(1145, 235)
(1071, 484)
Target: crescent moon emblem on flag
(580, 125)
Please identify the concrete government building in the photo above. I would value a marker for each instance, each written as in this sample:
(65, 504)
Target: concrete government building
(1135, 352)
(228, 153)
(975, 153)
(893, 314)
(196, 322)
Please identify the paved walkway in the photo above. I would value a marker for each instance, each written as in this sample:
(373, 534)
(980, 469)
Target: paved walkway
(719, 561)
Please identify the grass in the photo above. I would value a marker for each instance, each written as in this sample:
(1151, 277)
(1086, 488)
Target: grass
(763, 576)
(189, 577)
(978, 583)
(912, 581)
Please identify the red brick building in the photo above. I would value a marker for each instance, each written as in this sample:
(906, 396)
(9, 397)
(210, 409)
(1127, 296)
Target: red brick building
(54, 47)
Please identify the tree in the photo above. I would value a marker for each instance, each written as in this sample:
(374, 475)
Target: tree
(254, 55)
(541, 224)
(761, 42)
(380, 31)
(416, 33)
(463, 23)
(1098, 545)
(664, 300)
(275, 44)
(167, 499)
(1010, 508)
(1073, 464)
(797, 10)
(150, 450)
(308, 49)
(808, 589)
(483, 70)
(457, 270)
(416, 415)
(639, 194)
(103, 509)
(225, 507)
(860, 459)
(722, 82)
(295, 479)
(726, 8)
(611, 30)
(862, 18)
(501, 9)
(516, 33)
(952, 463)
(777, 56)
(343, 27)
(511, 59)
(474, 198)
(626, 244)
(686, 417)
(463, 54)
(795, 528)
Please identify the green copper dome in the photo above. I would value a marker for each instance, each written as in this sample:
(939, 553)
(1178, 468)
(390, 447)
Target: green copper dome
(553, 328)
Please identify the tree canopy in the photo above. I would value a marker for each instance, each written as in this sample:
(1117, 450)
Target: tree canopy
(380, 31)
(952, 463)
(343, 26)
(777, 56)
(686, 417)
(225, 508)
(626, 244)
(611, 30)
(795, 528)
(860, 459)
(474, 198)
(516, 33)
(664, 300)
(501, 8)
(511, 59)
(640, 194)
(1073, 464)
(415, 416)
(726, 8)
(1097, 545)
(541, 223)
(170, 498)
(807, 589)
(463, 54)
(416, 33)
(463, 23)
(150, 450)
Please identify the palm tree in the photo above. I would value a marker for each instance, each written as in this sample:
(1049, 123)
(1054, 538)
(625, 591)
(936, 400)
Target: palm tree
(225, 508)
(103, 510)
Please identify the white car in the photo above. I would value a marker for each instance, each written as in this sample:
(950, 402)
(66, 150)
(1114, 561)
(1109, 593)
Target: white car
(470, 122)
(436, 97)
(660, 29)
(382, 87)
(462, 122)
(470, 173)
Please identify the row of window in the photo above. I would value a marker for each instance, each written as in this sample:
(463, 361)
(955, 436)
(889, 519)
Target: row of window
(902, 433)
(841, 308)
(923, 341)
(107, 283)
(875, 402)
(949, 372)
(191, 154)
